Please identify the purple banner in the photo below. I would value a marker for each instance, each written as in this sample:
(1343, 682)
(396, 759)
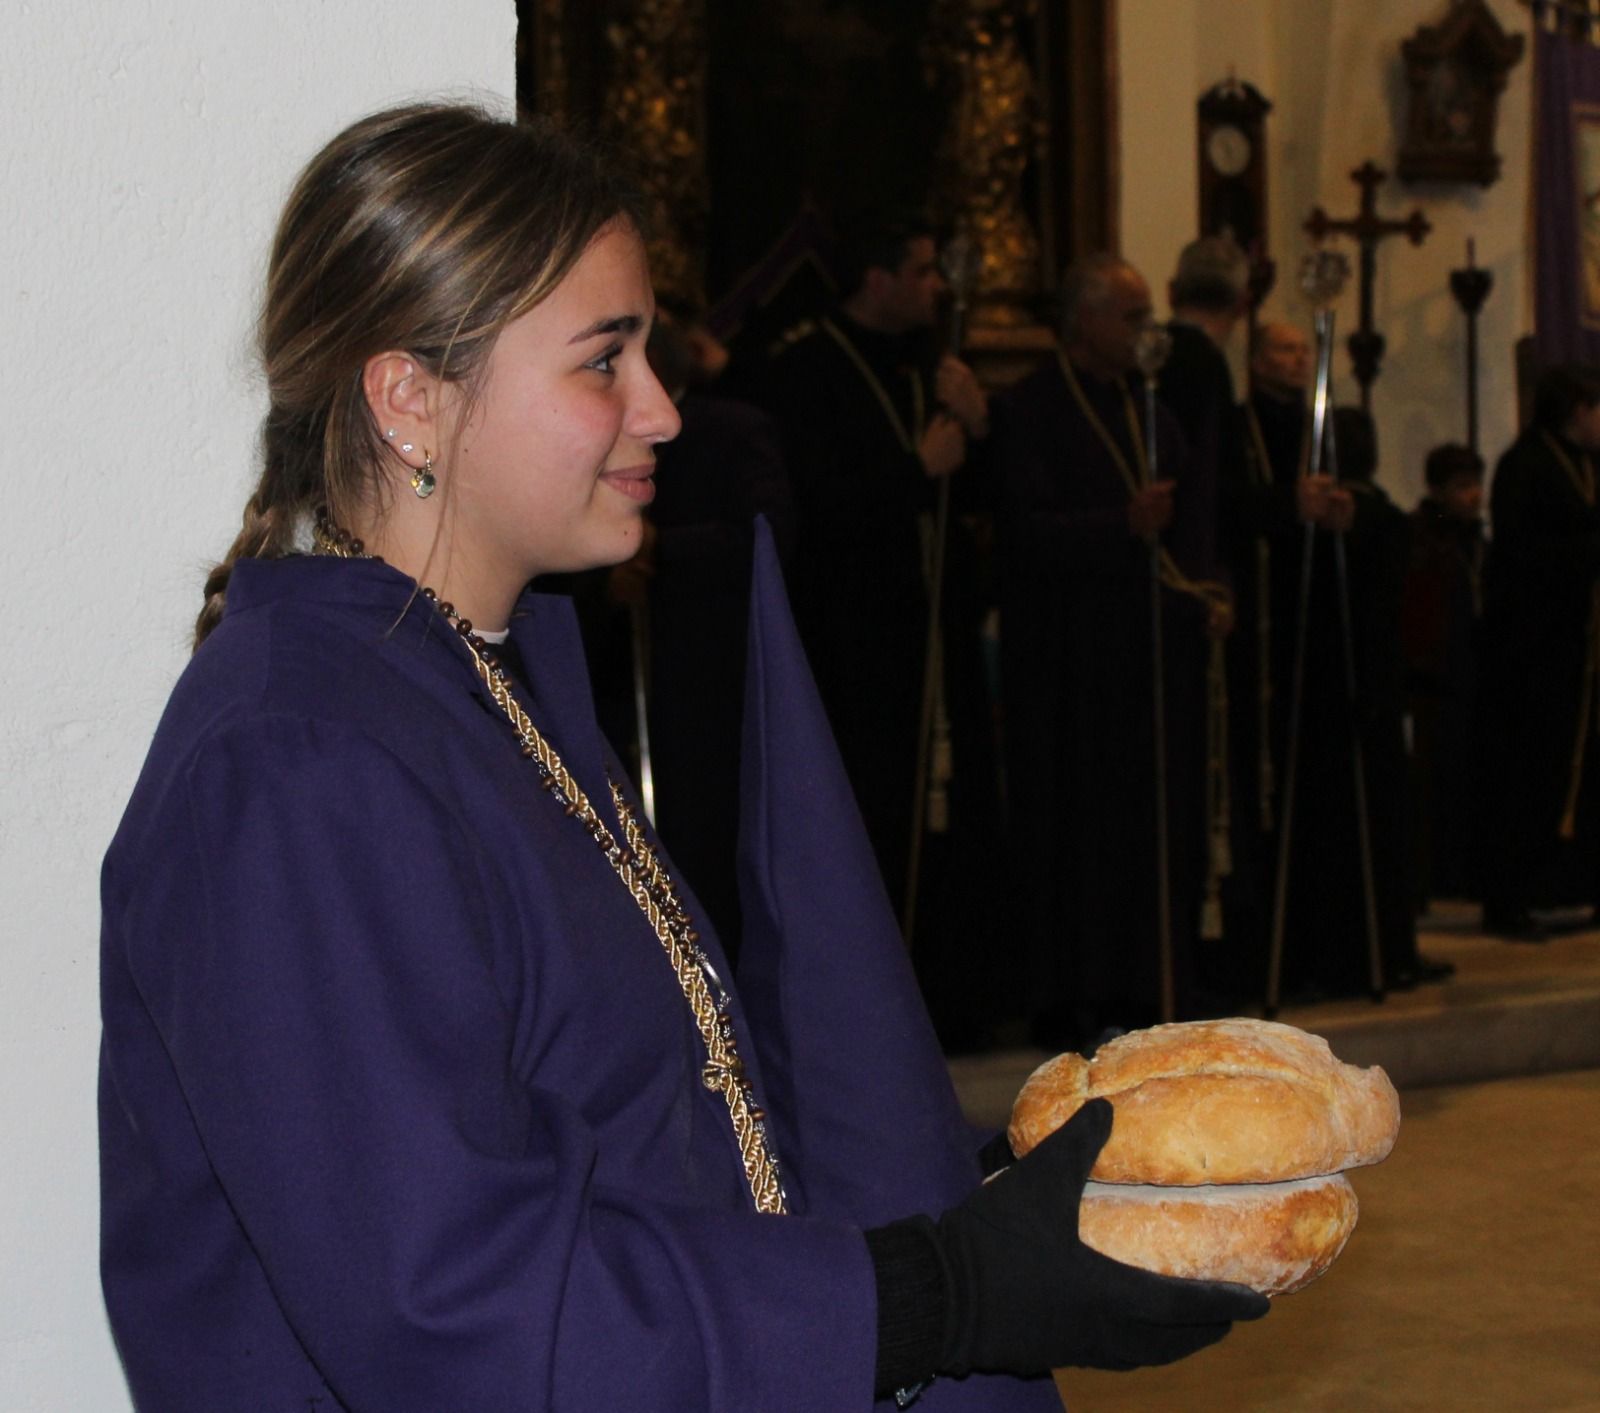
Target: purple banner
(1567, 201)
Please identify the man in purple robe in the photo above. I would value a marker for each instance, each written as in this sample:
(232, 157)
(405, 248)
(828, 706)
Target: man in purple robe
(1080, 521)
(872, 419)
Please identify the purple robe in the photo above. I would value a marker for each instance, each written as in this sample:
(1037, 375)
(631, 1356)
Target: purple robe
(1077, 672)
(400, 1101)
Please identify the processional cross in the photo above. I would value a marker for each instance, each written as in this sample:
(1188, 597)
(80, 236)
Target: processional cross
(1366, 344)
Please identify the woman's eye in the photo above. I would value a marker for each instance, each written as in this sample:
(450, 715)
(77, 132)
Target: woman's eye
(602, 363)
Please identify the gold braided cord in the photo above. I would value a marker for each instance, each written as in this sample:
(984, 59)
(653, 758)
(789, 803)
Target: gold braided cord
(906, 438)
(1583, 482)
(1219, 808)
(1267, 784)
(1582, 478)
(1568, 827)
(1261, 465)
(650, 887)
(1218, 788)
(939, 768)
(1219, 793)
(724, 1072)
(1259, 441)
(1208, 591)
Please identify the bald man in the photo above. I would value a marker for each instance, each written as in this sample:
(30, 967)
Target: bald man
(1077, 522)
(1266, 512)
(1208, 293)
(1278, 421)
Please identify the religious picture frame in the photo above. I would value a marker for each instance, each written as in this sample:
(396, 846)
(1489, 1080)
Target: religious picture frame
(1455, 72)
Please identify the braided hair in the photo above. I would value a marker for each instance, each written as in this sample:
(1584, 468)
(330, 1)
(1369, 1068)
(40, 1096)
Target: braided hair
(428, 229)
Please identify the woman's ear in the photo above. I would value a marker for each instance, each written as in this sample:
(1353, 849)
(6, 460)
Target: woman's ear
(405, 401)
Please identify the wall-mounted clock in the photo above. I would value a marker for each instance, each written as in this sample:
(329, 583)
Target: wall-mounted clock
(1233, 167)
(1229, 150)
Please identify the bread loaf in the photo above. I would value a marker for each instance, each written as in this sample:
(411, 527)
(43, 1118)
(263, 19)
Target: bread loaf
(1273, 1237)
(1210, 1102)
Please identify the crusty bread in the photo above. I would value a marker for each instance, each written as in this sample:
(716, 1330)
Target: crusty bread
(1274, 1237)
(1228, 1101)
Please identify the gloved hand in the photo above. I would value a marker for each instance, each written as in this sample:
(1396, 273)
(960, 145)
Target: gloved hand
(1026, 1295)
(996, 1153)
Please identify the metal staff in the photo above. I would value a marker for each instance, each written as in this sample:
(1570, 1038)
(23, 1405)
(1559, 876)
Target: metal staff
(1154, 348)
(959, 264)
(1322, 277)
(639, 625)
(1358, 761)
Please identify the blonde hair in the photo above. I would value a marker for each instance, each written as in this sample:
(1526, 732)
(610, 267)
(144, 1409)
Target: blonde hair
(426, 229)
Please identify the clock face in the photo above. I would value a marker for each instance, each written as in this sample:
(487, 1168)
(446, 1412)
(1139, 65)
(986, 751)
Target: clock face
(1229, 150)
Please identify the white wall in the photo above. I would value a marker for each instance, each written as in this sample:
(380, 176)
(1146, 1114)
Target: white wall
(1333, 71)
(1158, 55)
(148, 146)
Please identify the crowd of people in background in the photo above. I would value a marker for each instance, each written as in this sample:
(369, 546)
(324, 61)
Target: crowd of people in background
(1204, 722)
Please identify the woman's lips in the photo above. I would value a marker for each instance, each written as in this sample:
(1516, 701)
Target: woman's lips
(635, 482)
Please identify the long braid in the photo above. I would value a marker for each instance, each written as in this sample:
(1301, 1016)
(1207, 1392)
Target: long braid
(288, 489)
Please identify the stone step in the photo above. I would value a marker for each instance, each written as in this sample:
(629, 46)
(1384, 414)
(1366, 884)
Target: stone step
(1467, 1030)
(1511, 1009)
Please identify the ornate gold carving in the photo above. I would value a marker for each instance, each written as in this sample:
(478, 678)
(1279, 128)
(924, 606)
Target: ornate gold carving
(973, 50)
(550, 66)
(655, 111)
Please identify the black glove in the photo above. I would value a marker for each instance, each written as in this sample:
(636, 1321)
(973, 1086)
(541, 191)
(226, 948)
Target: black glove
(996, 1154)
(1027, 1295)
(1022, 1294)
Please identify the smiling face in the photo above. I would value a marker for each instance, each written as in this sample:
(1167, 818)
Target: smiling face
(552, 467)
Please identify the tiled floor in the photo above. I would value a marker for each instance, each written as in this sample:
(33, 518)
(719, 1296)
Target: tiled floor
(1472, 1280)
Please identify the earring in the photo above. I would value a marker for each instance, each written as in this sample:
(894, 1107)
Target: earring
(405, 446)
(389, 435)
(422, 481)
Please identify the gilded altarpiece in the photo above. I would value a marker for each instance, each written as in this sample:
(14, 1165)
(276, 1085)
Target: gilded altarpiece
(746, 122)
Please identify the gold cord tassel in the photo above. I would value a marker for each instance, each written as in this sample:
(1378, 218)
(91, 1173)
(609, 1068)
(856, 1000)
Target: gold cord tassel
(941, 765)
(1587, 720)
(1266, 784)
(1211, 595)
(1219, 804)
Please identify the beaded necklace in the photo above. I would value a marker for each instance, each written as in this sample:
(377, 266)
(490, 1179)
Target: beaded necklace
(635, 863)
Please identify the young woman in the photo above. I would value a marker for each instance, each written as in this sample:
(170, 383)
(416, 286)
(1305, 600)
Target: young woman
(421, 1087)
